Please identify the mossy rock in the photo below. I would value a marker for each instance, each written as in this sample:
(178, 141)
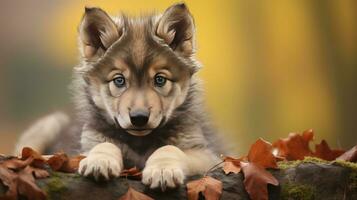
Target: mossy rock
(308, 179)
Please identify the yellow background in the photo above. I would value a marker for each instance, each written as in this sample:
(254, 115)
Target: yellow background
(270, 67)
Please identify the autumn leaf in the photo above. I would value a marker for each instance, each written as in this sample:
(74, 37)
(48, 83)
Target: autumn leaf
(323, 151)
(261, 154)
(350, 155)
(210, 188)
(131, 173)
(19, 177)
(26, 185)
(57, 160)
(256, 179)
(7, 178)
(15, 163)
(73, 164)
(296, 146)
(38, 160)
(132, 194)
(231, 165)
(61, 162)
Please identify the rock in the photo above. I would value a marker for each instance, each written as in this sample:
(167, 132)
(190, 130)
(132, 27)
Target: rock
(304, 180)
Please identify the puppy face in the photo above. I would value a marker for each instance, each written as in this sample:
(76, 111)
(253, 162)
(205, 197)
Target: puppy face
(139, 69)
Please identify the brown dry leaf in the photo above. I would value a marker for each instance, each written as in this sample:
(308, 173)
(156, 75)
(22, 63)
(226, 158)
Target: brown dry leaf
(19, 177)
(296, 146)
(73, 164)
(38, 161)
(323, 151)
(231, 165)
(210, 188)
(256, 179)
(15, 163)
(132, 194)
(26, 185)
(7, 178)
(57, 160)
(350, 155)
(61, 162)
(261, 154)
(131, 173)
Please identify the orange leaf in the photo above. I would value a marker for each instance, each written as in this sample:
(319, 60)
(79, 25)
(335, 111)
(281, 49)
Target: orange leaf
(231, 165)
(19, 177)
(72, 164)
(323, 151)
(26, 184)
(132, 173)
(350, 155)
(296, 146)
(256, 179)
(210, 188)
(57, 160)
(261, 154)
(61, 162)
(132, 194)
(38, 161)
(308, 135)
(15, 163)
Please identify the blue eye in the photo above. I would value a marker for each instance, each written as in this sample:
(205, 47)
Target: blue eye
(160, 81)
(119, 81)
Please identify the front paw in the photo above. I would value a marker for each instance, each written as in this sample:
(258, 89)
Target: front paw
(100, 166)
(166, 175)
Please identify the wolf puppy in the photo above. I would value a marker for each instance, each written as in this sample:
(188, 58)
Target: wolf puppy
(138, 99)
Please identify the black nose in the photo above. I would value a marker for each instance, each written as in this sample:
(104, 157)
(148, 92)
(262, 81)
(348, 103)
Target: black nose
(139, 118)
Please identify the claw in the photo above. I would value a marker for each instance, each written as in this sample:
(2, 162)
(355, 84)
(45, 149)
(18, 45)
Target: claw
(163, 186)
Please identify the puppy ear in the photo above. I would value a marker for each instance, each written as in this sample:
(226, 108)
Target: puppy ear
(176, 27)
(97, 32)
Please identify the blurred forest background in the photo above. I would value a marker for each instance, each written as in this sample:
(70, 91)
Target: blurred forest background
(270, 67)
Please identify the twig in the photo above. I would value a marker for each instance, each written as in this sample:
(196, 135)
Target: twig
(212, 168)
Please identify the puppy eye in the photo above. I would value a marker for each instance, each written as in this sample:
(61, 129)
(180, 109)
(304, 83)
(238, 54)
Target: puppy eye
(160, 81)
(119, 81)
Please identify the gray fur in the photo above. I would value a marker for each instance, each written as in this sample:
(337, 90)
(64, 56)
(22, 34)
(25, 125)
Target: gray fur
(187, 127)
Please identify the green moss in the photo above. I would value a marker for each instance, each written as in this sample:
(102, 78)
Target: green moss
(298, 192)
(56, 174)
(315, 160)
(350, 165)
(290, 164)
(55, 186)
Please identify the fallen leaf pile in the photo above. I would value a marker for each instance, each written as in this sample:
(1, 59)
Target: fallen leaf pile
(263, 155)
(296, 147)
(18, 175)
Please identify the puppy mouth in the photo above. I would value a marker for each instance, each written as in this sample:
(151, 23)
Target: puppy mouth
(138, 131)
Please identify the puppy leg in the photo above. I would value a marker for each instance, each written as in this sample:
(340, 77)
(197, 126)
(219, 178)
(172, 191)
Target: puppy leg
(168, 166)
(103, 161)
